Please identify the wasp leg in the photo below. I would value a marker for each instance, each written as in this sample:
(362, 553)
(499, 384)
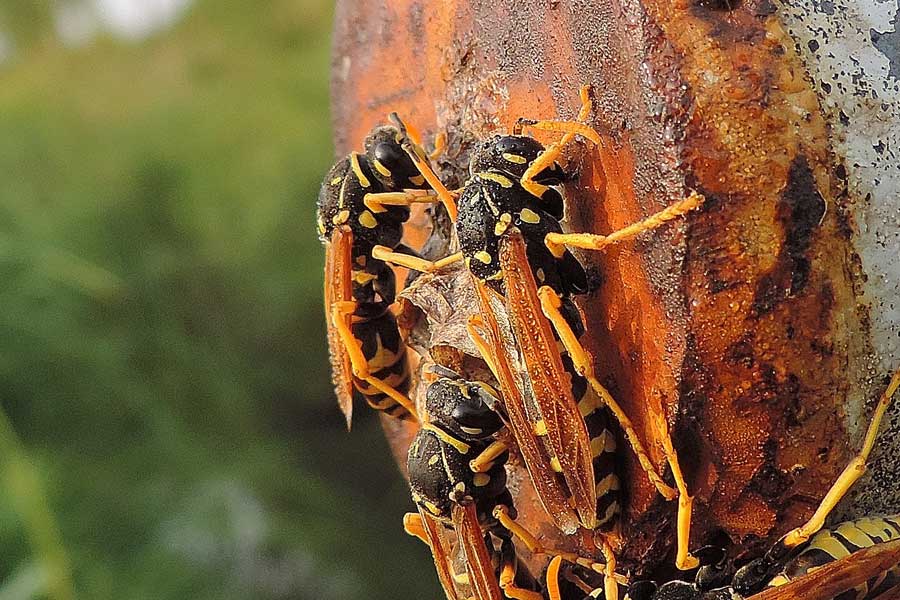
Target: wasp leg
(853, 471)
(553, 578)
(610, 585)
(376, 201)
(508, 576)
(481, 343)
(358, 362)
(501, 513)
(550, 305)
(549, 156)
(684, 560)
(420, 160)
(485, 461)
(412, 525)
(556, 242)
(415, 263)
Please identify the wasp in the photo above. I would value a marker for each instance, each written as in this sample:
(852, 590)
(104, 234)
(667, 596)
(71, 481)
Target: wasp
(364, 202)
(510, 238)
(857, 559)
(462, 422)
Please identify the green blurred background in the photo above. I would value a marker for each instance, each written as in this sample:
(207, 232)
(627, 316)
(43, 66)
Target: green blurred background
(168, 426)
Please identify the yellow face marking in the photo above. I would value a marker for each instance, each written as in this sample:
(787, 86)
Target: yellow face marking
(382, 169)
(554, 464)
(341, 217)
(504, 181)
(433, 460)
(500, 228)
(483, 256)
(481, 479)
(417, 180)
(357, 170)
(336, 180)
(367, 220)
(471, 430)
(540, 427)
(515, 158)
(529, 216)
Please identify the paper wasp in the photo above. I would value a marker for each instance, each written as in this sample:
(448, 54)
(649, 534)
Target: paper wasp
(461, 423)
(363, 203)
(511, 241)
(857, 559)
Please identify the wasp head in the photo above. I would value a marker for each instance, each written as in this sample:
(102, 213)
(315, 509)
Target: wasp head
(513, 154)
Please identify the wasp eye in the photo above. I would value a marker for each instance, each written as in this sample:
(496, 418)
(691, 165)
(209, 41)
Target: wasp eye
(389, 154)
(476, 416)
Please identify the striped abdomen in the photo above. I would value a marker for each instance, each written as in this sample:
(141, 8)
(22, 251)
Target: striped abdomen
(840, 541)
(385, 353)
(599, 422)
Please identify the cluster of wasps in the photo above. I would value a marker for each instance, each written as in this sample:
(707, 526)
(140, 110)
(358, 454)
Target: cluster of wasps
(542, 400)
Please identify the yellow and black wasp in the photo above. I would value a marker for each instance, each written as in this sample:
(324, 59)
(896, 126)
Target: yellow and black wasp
(511, 241)
(461, 422)
(364, 202)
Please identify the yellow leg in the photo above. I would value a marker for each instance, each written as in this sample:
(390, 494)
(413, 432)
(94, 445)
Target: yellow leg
(358, 362)
(556, 242)
(501, 513)
(553, 578)
(412, 525)
(549, 156)
(684, 560)
(484, 461)
(420, 160)
(376, 202)
(851, 473)
(484, 348)
(550, 305)
(509, 587)
(610, 586)
(415, 263)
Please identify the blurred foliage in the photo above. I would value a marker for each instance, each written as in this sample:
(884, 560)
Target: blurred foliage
(162, 357)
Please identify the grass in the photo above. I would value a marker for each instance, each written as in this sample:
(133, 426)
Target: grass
(162, 360)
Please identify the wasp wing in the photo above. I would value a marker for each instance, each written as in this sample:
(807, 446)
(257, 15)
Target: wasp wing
(338, 288)
(479, 566)
(566, 431)
(831, 579)
(441, 553)
(504, 361)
